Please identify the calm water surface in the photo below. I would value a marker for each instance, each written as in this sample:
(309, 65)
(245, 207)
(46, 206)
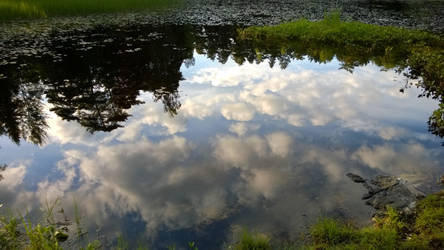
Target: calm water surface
(176, 134)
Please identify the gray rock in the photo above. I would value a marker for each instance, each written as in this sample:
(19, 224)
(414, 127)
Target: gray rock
(355, 178)
(391, 191)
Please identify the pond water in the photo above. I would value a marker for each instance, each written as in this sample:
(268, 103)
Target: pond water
(172, 134)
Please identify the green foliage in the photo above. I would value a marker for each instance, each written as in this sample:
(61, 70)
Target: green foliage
(171, 247)
(21, 234)
(332, 30)
(20, 9)
(391, 221)
(356, 43)
(41, 237)
(192, 246)
(10, 9)
(18, 232)
(393, 230)
(95, 245)
(377, 238)
(436, 121)
(253, 241)
(8, 233)
(428, 62)
(331, 232)
(429, 224)
(122, 244)
(430, 217)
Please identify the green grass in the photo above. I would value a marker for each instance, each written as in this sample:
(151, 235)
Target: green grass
(331, 232)
(13, 9)
(331, 30)
(18, 233)
(252, 241)
(353, 43)
(431, 214)
(392, 230)
(423, 230)
(8, 233)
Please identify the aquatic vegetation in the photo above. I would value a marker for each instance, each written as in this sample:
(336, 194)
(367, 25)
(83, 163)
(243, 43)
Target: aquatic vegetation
(431, 214)
(252, 241)
(8, 233)
(20, 9)
(355, 43)
(18, 233)
(49, 232)
(331, 232)
(10, 9)
(393, 230)
(332, 30)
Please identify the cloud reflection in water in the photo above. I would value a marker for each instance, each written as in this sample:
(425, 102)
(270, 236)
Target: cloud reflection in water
(260, 146)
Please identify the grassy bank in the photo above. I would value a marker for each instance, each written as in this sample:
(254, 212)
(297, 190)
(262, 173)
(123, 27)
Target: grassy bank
(393, 230)
(423, 229)
(13, 9)
(333, 31)
(354, 43)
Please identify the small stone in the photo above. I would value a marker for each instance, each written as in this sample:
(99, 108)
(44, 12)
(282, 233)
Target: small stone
(391, 191)
(367, 196)
(355, 178)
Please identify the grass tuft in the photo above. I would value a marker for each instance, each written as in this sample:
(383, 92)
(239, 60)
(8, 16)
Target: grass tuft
(252, 241)
(331, 232)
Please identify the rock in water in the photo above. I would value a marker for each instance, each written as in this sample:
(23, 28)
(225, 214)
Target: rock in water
(391, 191)
(355, 178)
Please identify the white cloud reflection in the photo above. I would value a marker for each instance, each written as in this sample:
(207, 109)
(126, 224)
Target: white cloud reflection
(367, 101)
(241, 128)
(12, 176)
(257, 157)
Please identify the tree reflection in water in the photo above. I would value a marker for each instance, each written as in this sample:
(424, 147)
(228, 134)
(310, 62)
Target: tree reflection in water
(98, 74)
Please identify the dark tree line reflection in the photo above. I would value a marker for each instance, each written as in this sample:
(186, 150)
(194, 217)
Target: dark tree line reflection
(96, 87)
(21, 107)
(94, 77)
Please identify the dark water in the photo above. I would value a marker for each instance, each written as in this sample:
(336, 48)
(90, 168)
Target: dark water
(172, 134)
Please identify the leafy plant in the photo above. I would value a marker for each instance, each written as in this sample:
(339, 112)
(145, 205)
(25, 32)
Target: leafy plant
(253, 241)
